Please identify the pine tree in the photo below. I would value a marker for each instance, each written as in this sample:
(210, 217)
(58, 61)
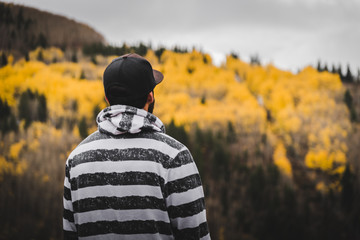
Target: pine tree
(3, 61)
(339, 71)
(205, 59)
(27, 58)
(348, 99)
(42, 108)
(74, 58)
(347, 189)
(348, 77)
(349, 103)
(7, 119)
(203, 99)
(74, 105)
(325, 68)
(82, 75)
(42, 42)
(333, 69)
(255, 60)
(83, 128)
(40, 56)
(24, 107)
(93, 59)
(231, 134)
(142, 49)
(177, 132)
(220, 162)
(256, 186)
(234, 55)
(319, 67)
(4, 114)
(159, 52)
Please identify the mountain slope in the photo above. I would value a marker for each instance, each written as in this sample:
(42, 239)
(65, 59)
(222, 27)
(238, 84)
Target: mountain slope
(24, 28)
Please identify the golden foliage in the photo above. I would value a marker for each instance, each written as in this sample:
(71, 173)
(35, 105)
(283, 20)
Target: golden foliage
(281, 161)
(302, 106)
(195, 91)
(59, 82)
(15, 149)
(49, 55)
(14, 165)
(298, 109)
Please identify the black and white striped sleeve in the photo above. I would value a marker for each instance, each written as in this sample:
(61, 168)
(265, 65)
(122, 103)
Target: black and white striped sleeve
(185, 199)
(69, 227)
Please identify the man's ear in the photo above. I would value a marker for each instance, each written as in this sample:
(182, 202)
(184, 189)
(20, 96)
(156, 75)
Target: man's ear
(150, 98)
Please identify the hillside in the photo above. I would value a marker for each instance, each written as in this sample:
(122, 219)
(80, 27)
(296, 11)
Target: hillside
(277, 151)
(24, 28)
(269, 144)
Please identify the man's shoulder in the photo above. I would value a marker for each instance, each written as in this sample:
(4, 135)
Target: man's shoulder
(151, 135)
(167, 149)
(164, 138)
(160, 137)
(95, 136)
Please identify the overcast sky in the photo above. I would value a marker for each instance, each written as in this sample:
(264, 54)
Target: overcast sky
(291, 34)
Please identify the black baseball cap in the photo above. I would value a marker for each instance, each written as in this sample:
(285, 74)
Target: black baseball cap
(129, 78)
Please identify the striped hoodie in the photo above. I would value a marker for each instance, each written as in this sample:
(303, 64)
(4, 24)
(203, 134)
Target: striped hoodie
(129, 180)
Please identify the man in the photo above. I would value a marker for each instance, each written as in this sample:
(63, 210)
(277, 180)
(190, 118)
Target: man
(129, 180)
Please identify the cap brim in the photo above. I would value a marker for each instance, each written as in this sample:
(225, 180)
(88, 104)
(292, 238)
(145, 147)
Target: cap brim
(158, 76)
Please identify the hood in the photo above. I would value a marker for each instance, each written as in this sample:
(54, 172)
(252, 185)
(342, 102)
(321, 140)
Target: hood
(120, 119)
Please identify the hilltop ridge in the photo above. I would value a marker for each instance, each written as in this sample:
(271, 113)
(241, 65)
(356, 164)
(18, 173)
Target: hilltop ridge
(24, 28)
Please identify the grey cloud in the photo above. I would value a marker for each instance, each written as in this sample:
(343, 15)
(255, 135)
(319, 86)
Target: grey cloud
(288, 32)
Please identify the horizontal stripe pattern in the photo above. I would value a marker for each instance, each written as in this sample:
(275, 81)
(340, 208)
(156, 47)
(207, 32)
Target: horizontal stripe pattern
(117, 191)
(128, 227)
(193, 233)
(110, 144)
(188, 209)
(67, 193)
(158, 136)
(112, 236)
(177, 199)
(112, 166)
(126, 178)
(68, 205)
(68, 226)
(104, 155)
(188, 222)
(129, 202)
(181, 172)
(133, 186)
(122, 215)
(70, 235)
(68, 215)
(182, 185)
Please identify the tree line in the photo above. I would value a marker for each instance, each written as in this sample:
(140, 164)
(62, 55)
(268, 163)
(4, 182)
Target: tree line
(247, 200)
(141, 49)
(347, 77)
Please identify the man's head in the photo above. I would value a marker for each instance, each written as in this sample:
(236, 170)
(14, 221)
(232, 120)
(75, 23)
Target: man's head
(129, 79)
